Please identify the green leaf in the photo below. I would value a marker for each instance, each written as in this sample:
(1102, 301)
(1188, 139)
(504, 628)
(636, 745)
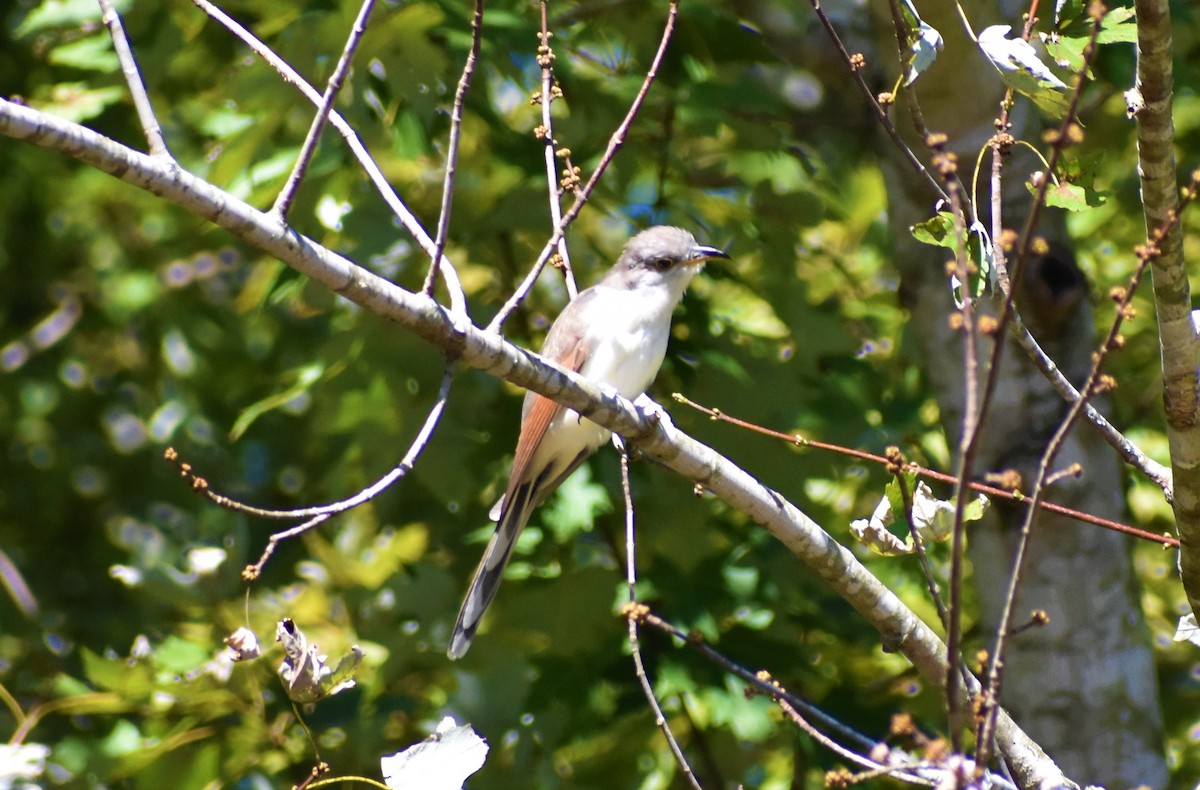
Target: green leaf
(305, 376)
(54, 14)
(1022, 70)
(1072, 197)
(75, 101)
(924, 42)
(937, 230)
(1119, 27)
(94, 53)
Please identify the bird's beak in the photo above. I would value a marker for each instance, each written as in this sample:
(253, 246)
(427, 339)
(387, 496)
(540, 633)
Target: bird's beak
(700, 254)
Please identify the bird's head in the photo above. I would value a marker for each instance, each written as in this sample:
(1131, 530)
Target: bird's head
(661, 256)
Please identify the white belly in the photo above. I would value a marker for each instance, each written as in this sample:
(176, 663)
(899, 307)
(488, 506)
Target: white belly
(628, 334)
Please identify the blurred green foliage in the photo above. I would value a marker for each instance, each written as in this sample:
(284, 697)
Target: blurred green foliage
(129, 325)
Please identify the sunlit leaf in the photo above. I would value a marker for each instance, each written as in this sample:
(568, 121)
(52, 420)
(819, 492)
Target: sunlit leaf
(94, 53)
(63, 14)
(443, 761)
(306, 377)
(75, 101)
(1022, 69)
(924, 42)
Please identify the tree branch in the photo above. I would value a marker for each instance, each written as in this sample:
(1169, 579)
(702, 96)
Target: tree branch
(1178, 344)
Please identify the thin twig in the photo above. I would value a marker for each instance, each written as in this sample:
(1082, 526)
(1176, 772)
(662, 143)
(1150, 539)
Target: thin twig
(1094, 384)
(460, 96)
(133, 77)
(284, 201)
(855, 63)
(875, 769)
(634, 646)
(992, 491)
(458, 298)
(973, 417)
(1159, 474)
(614, 144)
(764, 683)
(551, 151)
(1059, 141)
(321, 513)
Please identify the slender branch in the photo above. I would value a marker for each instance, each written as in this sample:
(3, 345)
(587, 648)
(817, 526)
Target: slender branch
(133, 77)
(16, 586)
(875, 769)
(855, 64)
(634, 644)
(551, 91)
(1094, 384)
(458, 299)
(763, 682)
(321, 513)
(284, 201)
(1159, 474)
(1067, 131)
(983, 488)
(972, 423)
(460, 97)
(614, 144)
(1179, 345)
(405, 466)
(836, 566)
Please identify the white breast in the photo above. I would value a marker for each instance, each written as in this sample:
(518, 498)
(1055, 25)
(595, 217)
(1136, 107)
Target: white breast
(627, 331)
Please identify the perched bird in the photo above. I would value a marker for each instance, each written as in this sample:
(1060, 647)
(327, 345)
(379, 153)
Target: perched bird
(614, 333)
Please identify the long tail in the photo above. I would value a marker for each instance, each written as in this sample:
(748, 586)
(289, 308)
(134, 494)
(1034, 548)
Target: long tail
(517, 507)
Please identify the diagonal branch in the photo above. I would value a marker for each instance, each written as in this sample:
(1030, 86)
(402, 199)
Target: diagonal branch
(458, 299)
(133, 77)
(901, 629)
(332, 89)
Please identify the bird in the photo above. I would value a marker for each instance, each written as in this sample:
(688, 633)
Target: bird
(614, 333)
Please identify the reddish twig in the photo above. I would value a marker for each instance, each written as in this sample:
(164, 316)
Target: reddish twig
(983, 488)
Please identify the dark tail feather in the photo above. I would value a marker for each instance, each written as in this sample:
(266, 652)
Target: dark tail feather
(483, 587)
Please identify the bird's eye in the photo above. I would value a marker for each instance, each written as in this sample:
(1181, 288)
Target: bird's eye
(661, 264)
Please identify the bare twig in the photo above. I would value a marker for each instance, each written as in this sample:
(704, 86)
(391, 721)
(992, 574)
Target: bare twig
(1094, 384)
(284, 201)
(855, 64)
(1067, 132)
(614, 144)
(983, 488)
(321, 513)
(460, 96)
(762, 682)
(458, 299)
(133, 77)
(1159, 474)
(551, 91)
(946, 165)
(634, 645)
